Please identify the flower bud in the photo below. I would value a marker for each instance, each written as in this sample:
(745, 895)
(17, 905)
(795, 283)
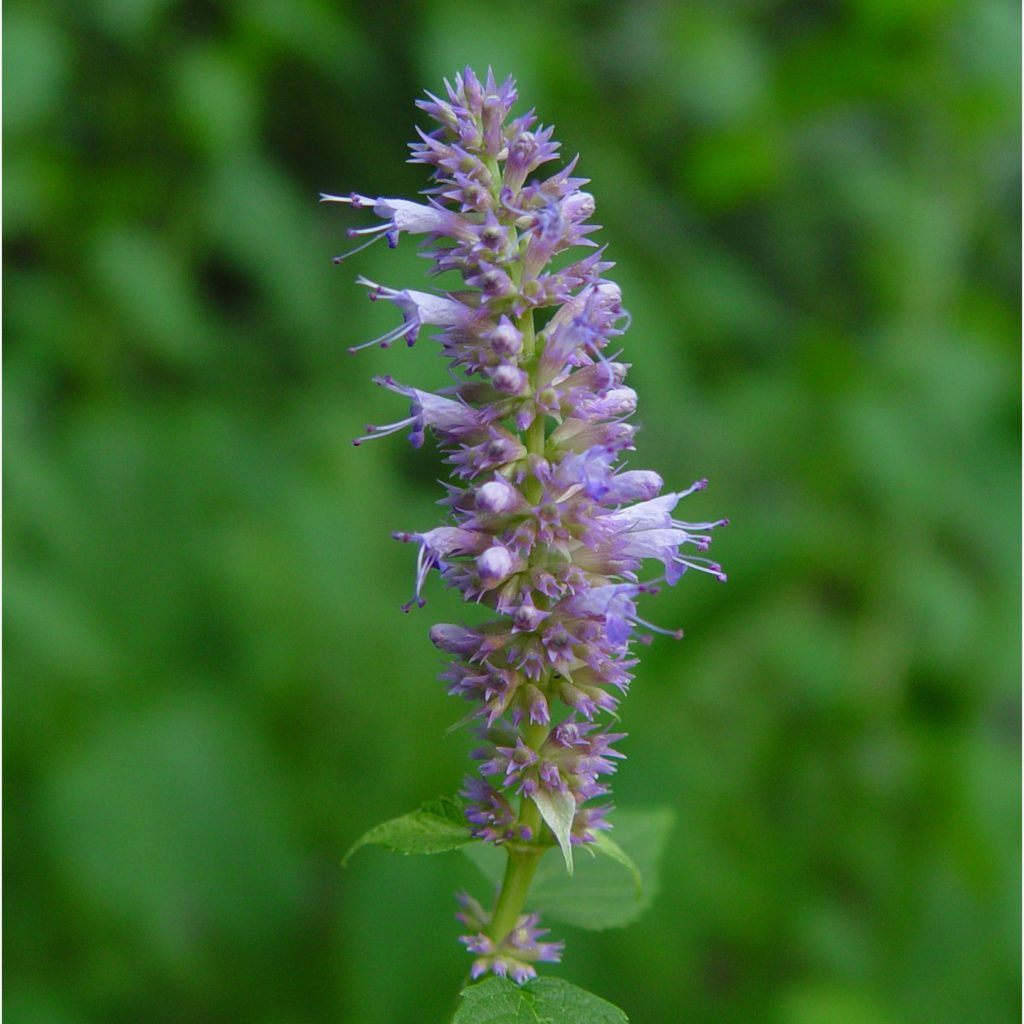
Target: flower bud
(522, 152)
(510, 380)
(578, 206)
(496, 497)
(455, 639)
(495, 564)
(505, 339)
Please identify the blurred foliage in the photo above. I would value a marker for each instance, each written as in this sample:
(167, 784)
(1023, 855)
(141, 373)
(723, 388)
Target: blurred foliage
(210, 690)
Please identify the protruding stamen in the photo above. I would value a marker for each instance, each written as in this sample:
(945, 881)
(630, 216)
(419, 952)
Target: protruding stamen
(359, 248)
(373, 431)
(377, 291)
(376, 229)
(702, 565)
(388, 339)
(354, 199)
(676, 634)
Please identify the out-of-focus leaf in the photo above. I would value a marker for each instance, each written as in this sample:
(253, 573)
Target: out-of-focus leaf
(35, 68)
(603, 892)
(169, 821)
(603, 843)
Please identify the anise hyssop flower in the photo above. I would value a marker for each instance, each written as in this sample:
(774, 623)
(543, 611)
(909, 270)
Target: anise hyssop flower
(547, 528)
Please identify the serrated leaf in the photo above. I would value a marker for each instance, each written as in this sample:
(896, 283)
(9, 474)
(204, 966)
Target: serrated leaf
(603, 892)
(558, 810)
(541, 1001)
(436, 827)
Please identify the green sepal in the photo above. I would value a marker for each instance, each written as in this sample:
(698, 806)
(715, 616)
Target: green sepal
(435, 827)
(540, 1001)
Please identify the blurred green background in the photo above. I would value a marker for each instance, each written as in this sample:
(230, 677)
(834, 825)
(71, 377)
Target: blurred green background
(211, 690)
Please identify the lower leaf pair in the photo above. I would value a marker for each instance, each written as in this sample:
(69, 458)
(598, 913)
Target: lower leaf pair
(610, 888)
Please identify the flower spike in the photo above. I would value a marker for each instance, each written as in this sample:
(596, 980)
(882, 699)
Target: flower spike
(549, 532)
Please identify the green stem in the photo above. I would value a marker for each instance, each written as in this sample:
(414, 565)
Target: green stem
(525, 324)
(522, 860)
(536, 433)
(516, 884)
(529, 813)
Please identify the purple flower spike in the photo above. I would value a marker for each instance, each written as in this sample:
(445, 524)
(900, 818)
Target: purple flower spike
(514, 955)
(549, 532)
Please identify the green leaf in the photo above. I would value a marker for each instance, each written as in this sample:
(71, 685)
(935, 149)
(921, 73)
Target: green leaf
(558, 810)
(437, 826)
(603, 892)
(603, 843)
(541, 1001)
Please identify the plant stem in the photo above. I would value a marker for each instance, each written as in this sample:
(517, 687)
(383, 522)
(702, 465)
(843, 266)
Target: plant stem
(522, 861)
(518, 875)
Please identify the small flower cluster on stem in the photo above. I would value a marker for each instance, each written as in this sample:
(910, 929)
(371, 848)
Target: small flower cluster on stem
(547, 528)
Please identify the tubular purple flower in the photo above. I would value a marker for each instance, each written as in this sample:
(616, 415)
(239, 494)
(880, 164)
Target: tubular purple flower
(548, 530)
(418, 309)
(436, 546)
(633, 485)
(613, 404)
(399, 215)
(447, 418)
